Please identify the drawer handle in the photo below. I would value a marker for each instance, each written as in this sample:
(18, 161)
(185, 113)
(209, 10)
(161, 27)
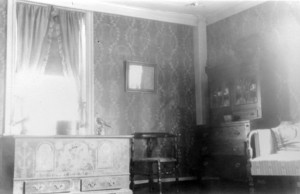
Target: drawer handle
(92, 184)
(59, 186)
(237, 165)
(111, 183)
(39, 187)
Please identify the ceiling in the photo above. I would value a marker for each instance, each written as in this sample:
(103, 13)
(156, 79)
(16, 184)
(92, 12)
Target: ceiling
(212, 10)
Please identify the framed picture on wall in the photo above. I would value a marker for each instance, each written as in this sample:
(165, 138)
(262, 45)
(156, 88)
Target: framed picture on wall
(140, 77)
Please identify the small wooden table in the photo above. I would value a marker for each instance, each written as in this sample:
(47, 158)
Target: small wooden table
(151, 160)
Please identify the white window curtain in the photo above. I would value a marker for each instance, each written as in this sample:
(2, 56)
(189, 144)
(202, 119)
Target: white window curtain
(71, 44)
(35, 24)
(32, 42)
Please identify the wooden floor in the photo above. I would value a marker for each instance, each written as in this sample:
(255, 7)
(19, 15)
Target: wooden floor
(222, 187)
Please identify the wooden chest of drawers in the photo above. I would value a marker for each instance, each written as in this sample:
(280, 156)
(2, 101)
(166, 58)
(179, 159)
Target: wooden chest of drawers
(65, 164)
(229, 138)
(227, 145)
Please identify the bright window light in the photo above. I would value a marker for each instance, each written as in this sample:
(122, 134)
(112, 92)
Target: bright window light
(44, 101)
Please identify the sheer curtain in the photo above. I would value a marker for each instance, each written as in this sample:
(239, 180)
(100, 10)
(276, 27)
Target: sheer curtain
(35, 94)
(33, 26)
(71, 43)
(32, 42)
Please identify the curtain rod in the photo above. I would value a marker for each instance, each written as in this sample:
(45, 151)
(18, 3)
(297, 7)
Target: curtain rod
(32, 3)
(55, 6)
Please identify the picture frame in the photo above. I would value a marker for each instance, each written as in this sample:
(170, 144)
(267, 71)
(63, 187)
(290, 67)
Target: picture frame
(140, 77)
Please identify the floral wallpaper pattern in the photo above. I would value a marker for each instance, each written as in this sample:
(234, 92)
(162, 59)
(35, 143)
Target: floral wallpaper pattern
(119, 38)
(170, 46)
(3, 11)
(267, 34)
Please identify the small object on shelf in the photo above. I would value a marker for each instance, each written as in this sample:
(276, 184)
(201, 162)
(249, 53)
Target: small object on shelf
(100, 126)
(64, 128)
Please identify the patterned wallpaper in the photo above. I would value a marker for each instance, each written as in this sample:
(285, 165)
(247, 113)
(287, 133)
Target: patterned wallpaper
(267, 34)
(119, 38)
(170, 46)
(3, 11)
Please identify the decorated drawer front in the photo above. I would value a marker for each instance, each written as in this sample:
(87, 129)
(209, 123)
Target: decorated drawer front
(236, 132)
(116, 191)
(233, 147)
(46, 186)
(102, 183)
(71, 157)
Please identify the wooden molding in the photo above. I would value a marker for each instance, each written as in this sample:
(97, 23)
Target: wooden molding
(172, 17)
(98, 6)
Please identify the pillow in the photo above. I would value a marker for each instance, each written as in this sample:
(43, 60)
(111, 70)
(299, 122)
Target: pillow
(287, 136)
(264, 143)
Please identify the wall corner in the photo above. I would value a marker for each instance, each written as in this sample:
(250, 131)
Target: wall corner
(200, 59)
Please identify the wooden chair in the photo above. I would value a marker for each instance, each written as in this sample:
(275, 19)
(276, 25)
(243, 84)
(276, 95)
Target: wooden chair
(151, 164)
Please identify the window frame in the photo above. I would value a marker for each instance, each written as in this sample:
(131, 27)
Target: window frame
(11, 61)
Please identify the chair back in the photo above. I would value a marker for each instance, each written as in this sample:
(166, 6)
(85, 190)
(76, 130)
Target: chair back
(154, 144)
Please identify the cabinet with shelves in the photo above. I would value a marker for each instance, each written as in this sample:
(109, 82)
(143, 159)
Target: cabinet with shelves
(234, 91)
(235, 103)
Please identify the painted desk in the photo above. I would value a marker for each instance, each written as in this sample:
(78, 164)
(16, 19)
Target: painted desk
(65, 164)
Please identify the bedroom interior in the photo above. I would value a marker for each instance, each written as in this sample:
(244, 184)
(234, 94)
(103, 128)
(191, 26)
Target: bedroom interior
(80, 78)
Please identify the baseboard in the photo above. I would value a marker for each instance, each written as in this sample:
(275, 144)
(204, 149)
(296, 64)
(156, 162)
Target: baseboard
(190, 178)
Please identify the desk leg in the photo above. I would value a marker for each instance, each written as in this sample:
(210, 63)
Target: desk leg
(159, 177)
(131, 164)
(150, 174)
(131, 177)
(177, 177)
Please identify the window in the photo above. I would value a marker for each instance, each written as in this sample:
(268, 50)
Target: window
(49, 71)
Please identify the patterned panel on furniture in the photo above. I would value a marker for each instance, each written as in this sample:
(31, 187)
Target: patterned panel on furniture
(46, 186)
(70, 157)
(101, 183)
(66, 164)
(116, 191)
